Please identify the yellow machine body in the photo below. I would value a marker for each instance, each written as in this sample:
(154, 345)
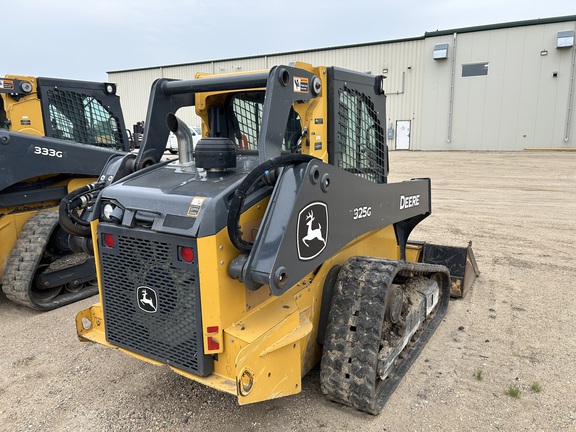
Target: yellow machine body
(266, 344)
(25, 114)
(13, 219)
(263, 342)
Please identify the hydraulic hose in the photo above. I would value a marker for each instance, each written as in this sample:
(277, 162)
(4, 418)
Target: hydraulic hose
(241, 194)
(73, 202)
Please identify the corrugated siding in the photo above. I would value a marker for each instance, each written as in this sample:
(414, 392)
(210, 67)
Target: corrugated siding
(401, 60)
(519, 104)
(134, 91)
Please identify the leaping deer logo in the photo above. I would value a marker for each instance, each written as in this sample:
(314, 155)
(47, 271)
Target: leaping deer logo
(312, 230)
(146, 303)
(313, 233)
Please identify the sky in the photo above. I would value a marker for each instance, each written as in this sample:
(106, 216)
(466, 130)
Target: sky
(84, 40)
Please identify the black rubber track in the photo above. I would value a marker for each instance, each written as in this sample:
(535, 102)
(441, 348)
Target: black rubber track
(348, 372)
(27, 256)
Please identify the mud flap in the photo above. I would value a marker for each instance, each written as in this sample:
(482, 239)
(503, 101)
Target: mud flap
(459, 260)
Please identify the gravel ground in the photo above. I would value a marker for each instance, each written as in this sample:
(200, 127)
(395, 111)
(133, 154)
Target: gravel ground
(514, 330)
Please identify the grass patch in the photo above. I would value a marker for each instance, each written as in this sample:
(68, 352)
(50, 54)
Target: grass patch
(513, 391)
(479, 374)
(536, 388)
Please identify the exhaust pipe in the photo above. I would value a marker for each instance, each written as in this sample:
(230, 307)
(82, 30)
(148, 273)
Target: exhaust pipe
(184, 137)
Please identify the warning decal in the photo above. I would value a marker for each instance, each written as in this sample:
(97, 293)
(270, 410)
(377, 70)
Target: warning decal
(7, 84)
(301, 85)
(195, 206)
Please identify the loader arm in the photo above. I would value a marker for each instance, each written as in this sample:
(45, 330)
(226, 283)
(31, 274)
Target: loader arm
(168, 95)
(288, 247)
(42, 156)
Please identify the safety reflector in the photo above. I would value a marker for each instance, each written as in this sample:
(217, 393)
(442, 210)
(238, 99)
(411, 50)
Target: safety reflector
(212, 343)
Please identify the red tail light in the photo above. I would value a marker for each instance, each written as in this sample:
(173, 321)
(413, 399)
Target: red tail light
(212, 344)
(186, 254)
(108, 240)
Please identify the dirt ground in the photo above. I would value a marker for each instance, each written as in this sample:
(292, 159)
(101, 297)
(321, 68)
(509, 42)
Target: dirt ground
(514, 331)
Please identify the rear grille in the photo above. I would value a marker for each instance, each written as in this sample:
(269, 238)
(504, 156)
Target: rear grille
(164, 323)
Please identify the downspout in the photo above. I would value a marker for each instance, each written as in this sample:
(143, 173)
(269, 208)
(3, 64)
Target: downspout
(396, 93)
(452, 82)
(570, 97)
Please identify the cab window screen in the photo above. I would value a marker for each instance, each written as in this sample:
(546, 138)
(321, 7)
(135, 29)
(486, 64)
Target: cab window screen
(248, 115)
(360, 137)
(78, 117)
(247, 110)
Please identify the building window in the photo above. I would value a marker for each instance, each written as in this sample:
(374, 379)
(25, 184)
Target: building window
(475, 69)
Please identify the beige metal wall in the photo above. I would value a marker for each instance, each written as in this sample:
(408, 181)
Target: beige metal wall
(400, 59)
(519, 104)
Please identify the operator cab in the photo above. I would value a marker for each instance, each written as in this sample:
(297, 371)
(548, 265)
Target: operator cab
(239, 118)
(234, 130)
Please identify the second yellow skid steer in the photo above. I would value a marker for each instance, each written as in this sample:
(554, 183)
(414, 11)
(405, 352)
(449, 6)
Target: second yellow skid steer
(56, 136)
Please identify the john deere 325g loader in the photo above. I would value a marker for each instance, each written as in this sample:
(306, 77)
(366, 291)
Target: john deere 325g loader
(277, 244)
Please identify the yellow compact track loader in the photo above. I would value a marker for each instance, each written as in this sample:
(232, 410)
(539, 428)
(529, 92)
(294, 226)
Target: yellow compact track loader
(277, 244)
(55, 136)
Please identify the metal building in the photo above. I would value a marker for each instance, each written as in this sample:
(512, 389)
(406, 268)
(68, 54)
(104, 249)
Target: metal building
(505, 86)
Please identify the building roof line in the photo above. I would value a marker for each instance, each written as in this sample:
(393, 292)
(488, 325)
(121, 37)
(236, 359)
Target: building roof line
(436, 33)
(331, 48)
(524, 23)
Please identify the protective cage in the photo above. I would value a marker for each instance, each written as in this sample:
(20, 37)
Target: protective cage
(247, 110)
(357, 142)
(84, 114)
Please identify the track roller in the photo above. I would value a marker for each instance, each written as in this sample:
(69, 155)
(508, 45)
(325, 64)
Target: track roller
(41, 272)
(383, 313)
